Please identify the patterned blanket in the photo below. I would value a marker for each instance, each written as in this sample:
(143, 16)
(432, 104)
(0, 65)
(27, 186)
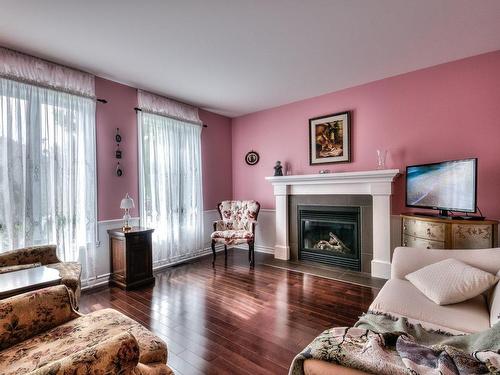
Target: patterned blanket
(381, 344)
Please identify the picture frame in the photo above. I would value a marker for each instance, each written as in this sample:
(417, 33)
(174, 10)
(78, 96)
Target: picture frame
(330, 139)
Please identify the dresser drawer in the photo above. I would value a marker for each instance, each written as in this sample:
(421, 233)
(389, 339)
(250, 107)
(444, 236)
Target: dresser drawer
(412, 241)
(472, 236)
(424, 229)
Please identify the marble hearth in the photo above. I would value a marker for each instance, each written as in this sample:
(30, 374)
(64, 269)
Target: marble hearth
(370, 190)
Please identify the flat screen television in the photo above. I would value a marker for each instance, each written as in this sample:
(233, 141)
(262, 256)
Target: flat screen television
(445, 186)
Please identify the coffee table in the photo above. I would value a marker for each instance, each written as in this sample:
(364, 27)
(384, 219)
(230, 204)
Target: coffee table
(17, 282)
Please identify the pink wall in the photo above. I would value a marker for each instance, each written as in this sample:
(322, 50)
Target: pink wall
(119, 112)
(216, 159)
(449, 111)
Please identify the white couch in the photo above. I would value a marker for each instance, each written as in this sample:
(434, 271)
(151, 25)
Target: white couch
(399, 297)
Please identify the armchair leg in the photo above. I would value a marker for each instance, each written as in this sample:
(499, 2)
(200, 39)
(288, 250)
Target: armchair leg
(251, 253)
(213, 253)
(225, 253)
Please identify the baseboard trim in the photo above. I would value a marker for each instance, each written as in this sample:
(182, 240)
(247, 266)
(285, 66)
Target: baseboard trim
(204, 252)
(103, 280)
(257, 248)
(99, 281)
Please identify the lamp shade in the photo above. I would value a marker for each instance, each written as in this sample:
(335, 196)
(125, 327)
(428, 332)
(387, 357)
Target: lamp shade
(127, 203)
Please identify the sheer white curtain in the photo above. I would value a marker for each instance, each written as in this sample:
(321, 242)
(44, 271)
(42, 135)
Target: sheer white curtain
(47, 171)
(171, 186)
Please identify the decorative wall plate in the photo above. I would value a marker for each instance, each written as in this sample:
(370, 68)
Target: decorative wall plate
(119, 170)
(252, 158)
(118, 137)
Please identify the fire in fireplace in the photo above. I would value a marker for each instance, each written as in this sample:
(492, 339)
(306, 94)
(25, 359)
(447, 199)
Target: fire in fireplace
(330, 234)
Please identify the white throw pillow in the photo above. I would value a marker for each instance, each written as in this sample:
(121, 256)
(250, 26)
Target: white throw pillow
(451, 281)
(494, 300)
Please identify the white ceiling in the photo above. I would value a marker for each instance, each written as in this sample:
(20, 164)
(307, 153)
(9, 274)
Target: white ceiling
(239, 56)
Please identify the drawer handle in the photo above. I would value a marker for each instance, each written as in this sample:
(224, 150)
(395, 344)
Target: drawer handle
(405, 227)
(405, 243)
(428, 247)
(429, 231)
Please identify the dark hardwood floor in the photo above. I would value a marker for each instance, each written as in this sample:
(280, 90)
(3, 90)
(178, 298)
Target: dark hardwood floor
(234, 320)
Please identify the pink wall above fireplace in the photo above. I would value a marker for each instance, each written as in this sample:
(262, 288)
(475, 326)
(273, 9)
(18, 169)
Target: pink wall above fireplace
(449, 111)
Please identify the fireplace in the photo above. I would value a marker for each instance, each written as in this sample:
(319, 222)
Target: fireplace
(375, 234)
(330, 234)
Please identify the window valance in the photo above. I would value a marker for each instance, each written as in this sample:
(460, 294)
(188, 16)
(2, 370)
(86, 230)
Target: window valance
(167, 107)
(32, 70)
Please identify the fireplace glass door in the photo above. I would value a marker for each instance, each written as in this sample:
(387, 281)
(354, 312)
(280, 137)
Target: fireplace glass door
(330, 234)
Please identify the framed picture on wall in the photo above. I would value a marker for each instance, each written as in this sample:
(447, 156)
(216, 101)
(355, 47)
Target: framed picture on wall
(329, 139)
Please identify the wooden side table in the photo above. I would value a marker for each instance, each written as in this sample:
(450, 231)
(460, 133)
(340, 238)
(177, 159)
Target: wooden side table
(131, 257)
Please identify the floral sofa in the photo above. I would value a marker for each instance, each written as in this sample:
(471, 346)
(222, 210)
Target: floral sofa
(45, 255)
(41, 333)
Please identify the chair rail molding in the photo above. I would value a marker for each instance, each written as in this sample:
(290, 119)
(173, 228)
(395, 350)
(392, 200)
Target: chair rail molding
(377, 183)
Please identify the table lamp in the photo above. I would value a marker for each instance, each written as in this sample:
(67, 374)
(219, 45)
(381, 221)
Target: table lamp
(126, 204)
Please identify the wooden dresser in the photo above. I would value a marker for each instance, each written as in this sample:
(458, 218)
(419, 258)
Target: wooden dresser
(131, 257)
(439, 233)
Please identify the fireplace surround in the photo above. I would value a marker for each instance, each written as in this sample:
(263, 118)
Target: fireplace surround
(376, 183)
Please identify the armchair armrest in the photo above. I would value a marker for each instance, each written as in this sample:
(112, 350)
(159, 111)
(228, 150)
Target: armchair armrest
(223, 225)
(29, 314)
(219, 225)
(45, 254)
(116, 355)
(409, 259)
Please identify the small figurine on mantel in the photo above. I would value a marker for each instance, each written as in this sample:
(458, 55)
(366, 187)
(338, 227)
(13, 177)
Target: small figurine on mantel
(278, 169)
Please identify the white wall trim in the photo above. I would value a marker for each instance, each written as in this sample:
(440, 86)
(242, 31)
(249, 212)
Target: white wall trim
(107, 223)
(115, 220)
(257, 248)
(103, 279)
(99, 281)
(267, 210)
(202, 253)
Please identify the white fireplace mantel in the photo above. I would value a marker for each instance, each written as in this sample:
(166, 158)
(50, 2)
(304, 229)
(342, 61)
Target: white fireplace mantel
(376, 183)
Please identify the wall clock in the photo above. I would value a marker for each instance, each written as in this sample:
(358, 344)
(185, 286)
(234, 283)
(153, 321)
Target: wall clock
(252, 158)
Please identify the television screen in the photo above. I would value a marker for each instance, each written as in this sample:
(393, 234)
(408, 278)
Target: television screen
(450, 185)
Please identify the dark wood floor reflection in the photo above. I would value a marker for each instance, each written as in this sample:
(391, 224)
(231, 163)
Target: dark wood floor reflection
(233, 320)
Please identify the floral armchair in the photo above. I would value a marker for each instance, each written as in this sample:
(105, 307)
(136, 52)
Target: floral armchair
(236, 226)
(45, 255)
(41, 334)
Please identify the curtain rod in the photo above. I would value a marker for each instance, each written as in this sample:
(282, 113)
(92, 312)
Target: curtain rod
(137, 109)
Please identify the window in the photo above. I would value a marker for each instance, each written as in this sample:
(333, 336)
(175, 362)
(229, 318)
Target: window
(171, 186)
(47, 171)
